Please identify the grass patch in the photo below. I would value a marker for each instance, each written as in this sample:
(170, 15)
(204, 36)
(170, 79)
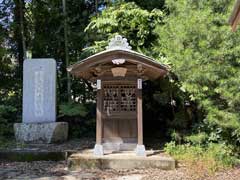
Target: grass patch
(203, 160)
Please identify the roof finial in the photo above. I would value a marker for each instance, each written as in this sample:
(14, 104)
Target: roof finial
(118, 42)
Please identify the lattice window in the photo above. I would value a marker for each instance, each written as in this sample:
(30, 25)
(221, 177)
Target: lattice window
(119, 98)
(128, 98)
(110, 98)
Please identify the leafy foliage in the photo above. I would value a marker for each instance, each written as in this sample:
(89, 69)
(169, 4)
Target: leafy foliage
(81, 118)
(127, 19)
(211, 157)
(197, 139)
(10, 88)
(204, 53)
(6, 116)
(70, 109)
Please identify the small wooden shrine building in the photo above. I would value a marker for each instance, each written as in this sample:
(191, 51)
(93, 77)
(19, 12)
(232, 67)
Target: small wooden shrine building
(118, 73)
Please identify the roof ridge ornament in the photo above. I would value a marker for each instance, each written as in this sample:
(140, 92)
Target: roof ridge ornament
(118, 42)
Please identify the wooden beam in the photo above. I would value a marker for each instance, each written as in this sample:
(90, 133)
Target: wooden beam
(233, 20)
(236, 21)
(99, 113)
(139, 112)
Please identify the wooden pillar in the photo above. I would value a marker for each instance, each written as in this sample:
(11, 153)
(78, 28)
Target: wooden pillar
(99, 114)
(139, 112)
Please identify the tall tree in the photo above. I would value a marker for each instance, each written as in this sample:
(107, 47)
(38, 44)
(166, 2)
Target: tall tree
(10, 91)
(205, 54)
(19, 33)
(66, 49)
(47, 31)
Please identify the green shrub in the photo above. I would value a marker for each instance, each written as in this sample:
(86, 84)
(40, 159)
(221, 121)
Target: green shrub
(222, 154)
(176, 136)
(197, 139)
(7, 118)
(80, 117)
(213, 156)
(73, 109)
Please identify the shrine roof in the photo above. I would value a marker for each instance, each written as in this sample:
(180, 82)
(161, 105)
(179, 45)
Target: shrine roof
(118, 53)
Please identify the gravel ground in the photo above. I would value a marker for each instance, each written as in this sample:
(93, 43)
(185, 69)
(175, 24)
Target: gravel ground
(48, 170)
(70, 145)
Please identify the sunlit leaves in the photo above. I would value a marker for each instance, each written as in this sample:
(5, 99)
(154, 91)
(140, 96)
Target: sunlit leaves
(204, 54)
(128, 20)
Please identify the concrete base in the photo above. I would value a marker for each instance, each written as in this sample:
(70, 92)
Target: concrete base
(122, 160)
(41, 132)
(98, 150)
(140, 150)
(115, 147)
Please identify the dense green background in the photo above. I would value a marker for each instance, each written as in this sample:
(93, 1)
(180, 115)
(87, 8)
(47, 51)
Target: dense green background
(198, 102)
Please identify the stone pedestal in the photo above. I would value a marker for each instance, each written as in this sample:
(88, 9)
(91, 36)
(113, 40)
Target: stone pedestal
(41, 132)
(140, 150)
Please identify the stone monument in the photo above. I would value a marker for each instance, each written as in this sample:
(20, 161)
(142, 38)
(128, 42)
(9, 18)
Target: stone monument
(39, 104)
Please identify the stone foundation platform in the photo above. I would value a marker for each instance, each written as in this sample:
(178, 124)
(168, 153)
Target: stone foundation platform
(121, 160)
(41, 132)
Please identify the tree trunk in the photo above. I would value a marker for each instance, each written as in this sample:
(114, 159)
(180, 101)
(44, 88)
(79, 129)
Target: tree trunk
(19, 34)
(66, 50)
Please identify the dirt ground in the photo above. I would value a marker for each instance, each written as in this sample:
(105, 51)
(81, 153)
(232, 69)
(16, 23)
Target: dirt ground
(49, 170)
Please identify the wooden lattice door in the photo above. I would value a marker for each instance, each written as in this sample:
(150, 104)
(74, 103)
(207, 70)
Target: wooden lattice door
(119, 111)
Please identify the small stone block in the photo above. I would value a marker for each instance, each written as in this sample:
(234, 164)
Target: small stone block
(140, 150)
(41, 132)
(98, 150)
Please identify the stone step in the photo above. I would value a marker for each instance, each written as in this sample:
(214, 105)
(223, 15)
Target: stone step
(29, 156)
(127, 160)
